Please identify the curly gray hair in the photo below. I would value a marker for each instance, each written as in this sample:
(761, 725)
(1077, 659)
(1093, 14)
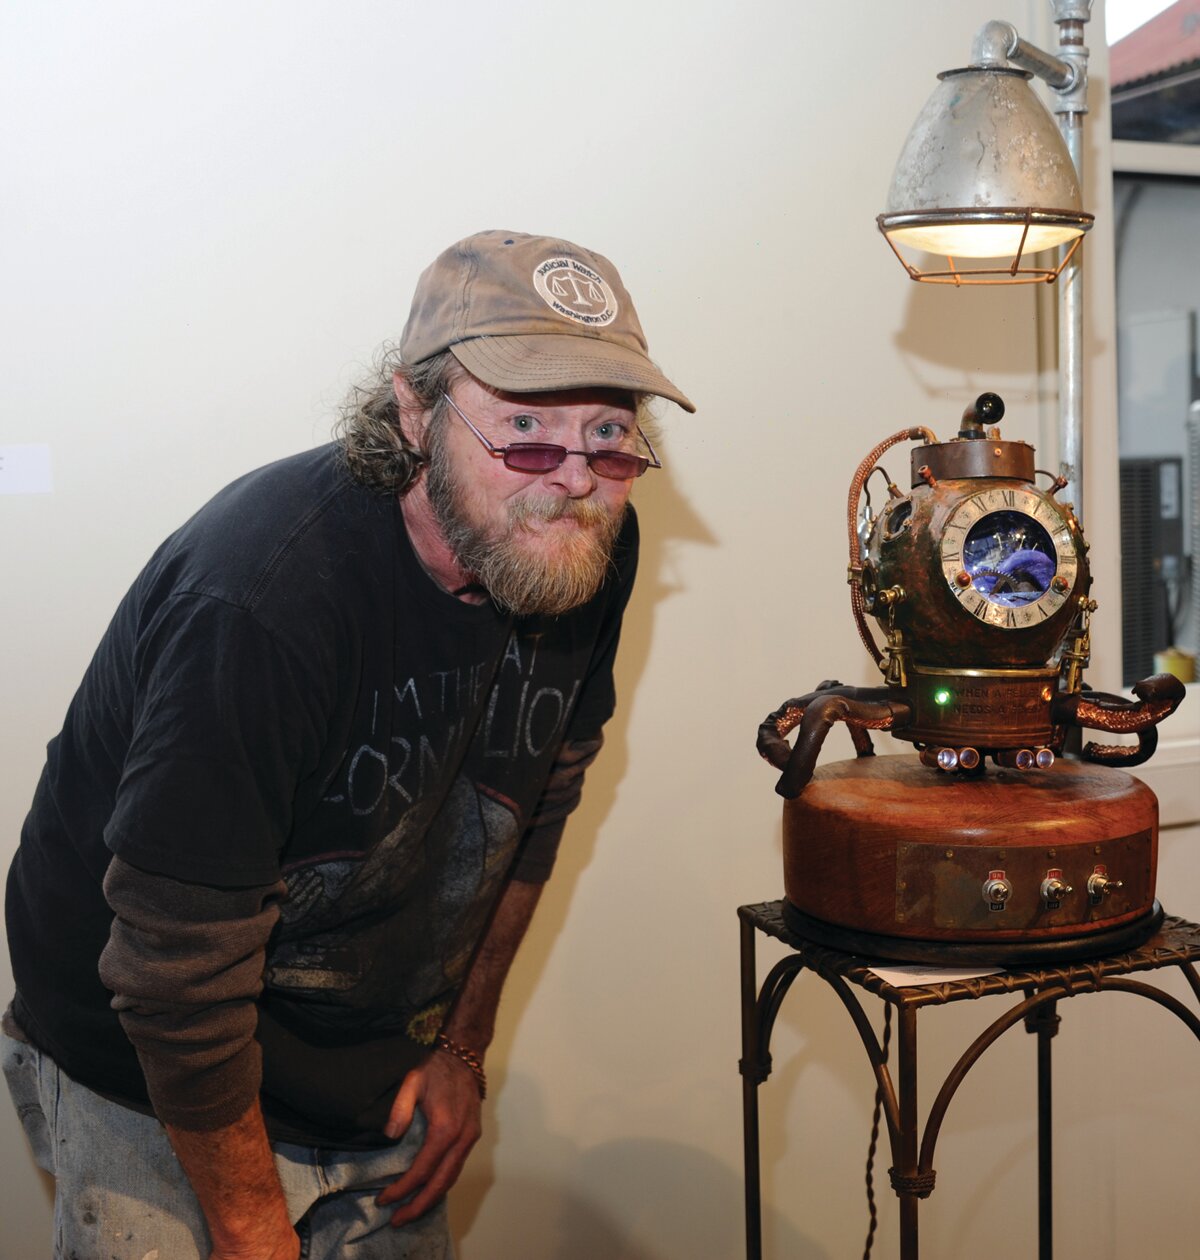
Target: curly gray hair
(374, 446)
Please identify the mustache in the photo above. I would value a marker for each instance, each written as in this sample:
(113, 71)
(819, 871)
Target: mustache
(585, 512)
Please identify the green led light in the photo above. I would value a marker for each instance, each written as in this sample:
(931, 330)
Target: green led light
(943, 696)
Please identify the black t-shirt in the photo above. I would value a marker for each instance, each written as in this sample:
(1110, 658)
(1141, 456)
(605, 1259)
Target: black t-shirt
(284, 693)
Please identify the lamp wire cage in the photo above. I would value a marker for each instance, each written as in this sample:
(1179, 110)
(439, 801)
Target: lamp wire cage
(1018, 271)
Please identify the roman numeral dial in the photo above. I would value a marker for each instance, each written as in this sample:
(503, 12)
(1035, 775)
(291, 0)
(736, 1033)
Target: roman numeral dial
(1009, 557)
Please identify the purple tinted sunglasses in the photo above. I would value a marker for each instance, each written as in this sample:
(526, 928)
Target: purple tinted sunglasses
(544, 457)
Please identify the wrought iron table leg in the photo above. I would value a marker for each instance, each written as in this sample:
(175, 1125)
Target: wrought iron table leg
(909, 1132)
(1190, 972)
(1044, 1021)
(751, 1078)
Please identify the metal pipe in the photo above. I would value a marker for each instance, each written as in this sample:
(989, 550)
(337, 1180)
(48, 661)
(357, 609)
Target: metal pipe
(1066, 74)
(1070, 345)
(998, 42)
(1071, 105)
(994, 44)
(1059, 74)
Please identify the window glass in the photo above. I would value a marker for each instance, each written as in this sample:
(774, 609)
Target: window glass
(1155, 74)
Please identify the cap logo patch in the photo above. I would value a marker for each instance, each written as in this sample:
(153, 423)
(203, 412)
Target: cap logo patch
(575, 291)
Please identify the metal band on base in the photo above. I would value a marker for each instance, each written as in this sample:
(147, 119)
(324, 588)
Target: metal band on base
(974, 953)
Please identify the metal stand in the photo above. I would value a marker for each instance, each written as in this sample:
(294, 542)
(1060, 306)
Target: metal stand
(1176, 944)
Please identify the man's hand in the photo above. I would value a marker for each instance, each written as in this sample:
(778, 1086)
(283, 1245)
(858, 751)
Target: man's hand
(443, 1085)
(232, 1171)
(448, 1095)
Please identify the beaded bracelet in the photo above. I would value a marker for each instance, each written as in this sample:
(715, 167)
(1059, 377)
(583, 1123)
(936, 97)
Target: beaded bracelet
(469, 1057)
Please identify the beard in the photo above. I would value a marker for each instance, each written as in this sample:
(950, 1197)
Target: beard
(524, 568)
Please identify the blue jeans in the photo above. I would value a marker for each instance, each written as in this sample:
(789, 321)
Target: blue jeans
(120, 1191)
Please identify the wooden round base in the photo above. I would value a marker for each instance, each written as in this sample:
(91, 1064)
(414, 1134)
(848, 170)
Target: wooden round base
(889, 848)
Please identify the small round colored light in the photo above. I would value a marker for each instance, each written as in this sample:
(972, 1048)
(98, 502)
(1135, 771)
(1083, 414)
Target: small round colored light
(943, 696)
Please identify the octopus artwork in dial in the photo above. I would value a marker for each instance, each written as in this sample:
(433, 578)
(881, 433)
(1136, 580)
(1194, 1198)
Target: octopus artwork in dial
(1009, 557)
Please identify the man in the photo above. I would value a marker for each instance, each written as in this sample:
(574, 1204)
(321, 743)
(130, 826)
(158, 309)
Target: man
(298, 817)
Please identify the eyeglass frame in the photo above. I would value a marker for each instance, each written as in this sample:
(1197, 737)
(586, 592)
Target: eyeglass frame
(501, 452)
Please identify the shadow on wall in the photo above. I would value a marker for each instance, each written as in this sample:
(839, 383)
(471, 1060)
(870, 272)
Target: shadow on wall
(631, 1199)
(982, 334)
(666, 522)
(26, 1193)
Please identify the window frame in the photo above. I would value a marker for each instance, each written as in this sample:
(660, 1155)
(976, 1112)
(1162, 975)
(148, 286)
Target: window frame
(1175, 767)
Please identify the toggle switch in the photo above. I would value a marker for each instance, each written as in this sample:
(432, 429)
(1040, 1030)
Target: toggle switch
(1100, 886)
(996, 890)
(1054, 889)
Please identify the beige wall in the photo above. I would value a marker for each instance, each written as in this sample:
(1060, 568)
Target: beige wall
(219, 210)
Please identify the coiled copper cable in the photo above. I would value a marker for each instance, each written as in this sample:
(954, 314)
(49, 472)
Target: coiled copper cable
(857, 603)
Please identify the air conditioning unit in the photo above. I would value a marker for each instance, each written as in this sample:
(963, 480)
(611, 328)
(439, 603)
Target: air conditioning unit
(1152, 559)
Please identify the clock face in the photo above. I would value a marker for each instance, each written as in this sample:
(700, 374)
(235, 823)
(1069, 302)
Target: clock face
(1009, 558)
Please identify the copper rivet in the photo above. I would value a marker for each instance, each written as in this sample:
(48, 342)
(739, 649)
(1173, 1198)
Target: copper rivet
(949, 852)
(1051, 852)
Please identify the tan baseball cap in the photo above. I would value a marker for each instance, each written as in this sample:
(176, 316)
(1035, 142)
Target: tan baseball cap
(532, 313)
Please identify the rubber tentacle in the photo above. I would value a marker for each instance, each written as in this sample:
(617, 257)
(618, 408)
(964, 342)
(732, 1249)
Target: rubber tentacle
(1157, 698)
(856, 710)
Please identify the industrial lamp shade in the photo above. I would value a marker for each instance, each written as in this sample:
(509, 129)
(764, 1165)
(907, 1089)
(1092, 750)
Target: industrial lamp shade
(984, 174)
